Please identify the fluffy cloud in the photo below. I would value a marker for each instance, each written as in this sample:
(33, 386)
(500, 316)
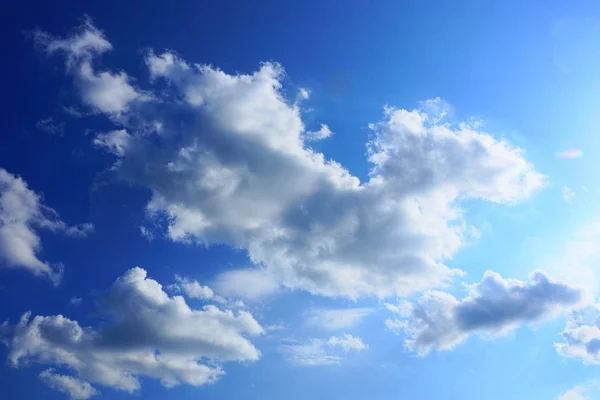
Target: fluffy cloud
(315, 352)
(493, 307)
(106, 92)
(22, 212)
(230, 165)
(75, 388)
(335, 319)
(581, 336)
(146, 334)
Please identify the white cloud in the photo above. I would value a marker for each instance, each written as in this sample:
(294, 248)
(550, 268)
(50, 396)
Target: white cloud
(494, 306)
(106, 92)
(194, 290)
(232, 167)
(74, 387)
(568, 194)
(48, 125)
(22, 213)
(323, 133)
(581, 336)
(86, 42)
(336, 319)
(146, 233)
(146, 334)
(347, 342)
(115, 142)
(577, 393)
(75, 301)
(315, 352)
(250, 284)
(303, 94)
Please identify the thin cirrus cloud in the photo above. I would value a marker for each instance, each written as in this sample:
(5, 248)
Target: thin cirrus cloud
(336, 319)
(318, 352)
(147, 334)
(22, 215)
(494, 306)
(229, 144)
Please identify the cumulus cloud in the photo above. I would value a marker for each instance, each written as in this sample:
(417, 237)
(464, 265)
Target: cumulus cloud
(494, 306)
(146, 334)
(581, 336)
(75, 388)
(103, 91)
(336, 319)
(230, 165)
(22, 214)
(315, 352)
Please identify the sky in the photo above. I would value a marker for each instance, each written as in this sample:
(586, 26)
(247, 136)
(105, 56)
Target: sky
(242, 200)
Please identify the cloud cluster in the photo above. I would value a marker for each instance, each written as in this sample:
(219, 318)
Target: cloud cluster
(581, 336)
(146, 334)
(22, 213)
(315, 352)
(226, 160)
(494, 306)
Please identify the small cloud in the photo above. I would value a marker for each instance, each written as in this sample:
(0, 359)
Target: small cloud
(146, 233)
(75, 301)
(50, 126)
(335, 319)
(347, 342)
(303, 94)
(321, 134)
(577, 393)
(274, 327)
(568, 194)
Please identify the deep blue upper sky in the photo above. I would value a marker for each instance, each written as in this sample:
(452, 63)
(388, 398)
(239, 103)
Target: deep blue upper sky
(524, 79)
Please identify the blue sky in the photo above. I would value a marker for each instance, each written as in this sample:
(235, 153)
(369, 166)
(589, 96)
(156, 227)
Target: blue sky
(301, 199)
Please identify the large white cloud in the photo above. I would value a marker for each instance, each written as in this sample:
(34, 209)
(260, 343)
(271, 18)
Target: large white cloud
(146, 334)
(493, 307)
(226, 161)
(22, 213)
